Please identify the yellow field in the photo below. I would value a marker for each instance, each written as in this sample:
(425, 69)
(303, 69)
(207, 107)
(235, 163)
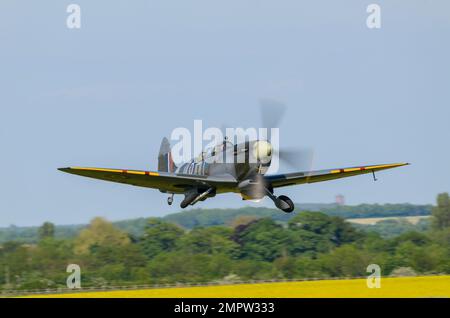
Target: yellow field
(429, 286)
(371, 221)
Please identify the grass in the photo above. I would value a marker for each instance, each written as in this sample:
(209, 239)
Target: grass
(426, 286)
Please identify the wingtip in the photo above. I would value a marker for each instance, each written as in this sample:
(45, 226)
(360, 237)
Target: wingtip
(399, 164)
(64, 169)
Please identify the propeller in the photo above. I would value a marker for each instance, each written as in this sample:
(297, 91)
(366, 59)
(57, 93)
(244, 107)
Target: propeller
(272, 113)
(299, 159)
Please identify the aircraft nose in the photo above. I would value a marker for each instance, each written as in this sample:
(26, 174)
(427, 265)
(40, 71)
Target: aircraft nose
(263, 151)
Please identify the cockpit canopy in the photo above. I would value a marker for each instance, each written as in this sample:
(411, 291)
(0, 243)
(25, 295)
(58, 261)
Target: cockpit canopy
(213, 151)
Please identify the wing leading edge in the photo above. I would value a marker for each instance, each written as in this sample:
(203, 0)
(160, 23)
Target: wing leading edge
(178, 183)
(164, 181)
(281, 180)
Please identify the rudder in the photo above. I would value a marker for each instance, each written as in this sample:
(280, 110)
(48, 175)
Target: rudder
(165, 160)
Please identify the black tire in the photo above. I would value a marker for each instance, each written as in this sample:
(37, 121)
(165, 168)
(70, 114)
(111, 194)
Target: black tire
(289, 202)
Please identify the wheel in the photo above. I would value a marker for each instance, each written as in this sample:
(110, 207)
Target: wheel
(169, 200)
(285, 204)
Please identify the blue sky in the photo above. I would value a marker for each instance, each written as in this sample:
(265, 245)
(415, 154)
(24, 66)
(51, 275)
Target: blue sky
(106, 94)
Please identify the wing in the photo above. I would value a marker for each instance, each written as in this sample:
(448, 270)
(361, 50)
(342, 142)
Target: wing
(164, 181)
(281, 180)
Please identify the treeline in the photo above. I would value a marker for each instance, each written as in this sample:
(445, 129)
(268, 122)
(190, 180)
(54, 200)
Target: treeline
(212, 217)
(312, 244)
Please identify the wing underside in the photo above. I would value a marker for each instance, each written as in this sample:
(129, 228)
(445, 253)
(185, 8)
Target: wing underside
(164, 181)
(179, 183)
(281, 180)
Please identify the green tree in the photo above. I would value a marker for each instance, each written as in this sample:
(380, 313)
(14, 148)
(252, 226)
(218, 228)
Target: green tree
(346, 261)
(421, 258)
(343, 232)
(303, 242)
(210, 240)
(315, 222)
(51, 255)
(178, 266)
(316, 232)
(441, 212)
(253, 269)
(15, 262)
(413, 237)
(287, 266)
(262, 240)
(242, 220)
(160, 236)
(47, 230)
(100, 234)
(299, 267)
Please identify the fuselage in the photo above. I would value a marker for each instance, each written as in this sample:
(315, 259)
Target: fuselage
(244, 162)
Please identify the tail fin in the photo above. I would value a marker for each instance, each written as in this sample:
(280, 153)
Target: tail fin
(165, 161)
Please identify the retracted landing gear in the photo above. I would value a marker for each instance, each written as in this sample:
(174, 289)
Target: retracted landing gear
(282, 202)
(170, 199)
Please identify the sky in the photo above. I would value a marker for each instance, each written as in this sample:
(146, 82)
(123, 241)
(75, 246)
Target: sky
(106, 94)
